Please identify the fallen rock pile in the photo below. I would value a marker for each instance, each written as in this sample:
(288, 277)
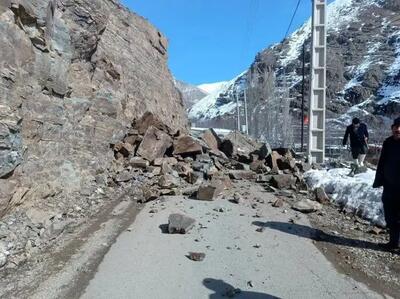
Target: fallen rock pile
(152, 161)
(202, 167)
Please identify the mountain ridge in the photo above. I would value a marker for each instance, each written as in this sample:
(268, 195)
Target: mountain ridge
(363, 64)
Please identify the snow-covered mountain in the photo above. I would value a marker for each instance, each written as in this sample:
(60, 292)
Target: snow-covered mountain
(190, 93)
(212, 87)
(363, 65)
(219, 100)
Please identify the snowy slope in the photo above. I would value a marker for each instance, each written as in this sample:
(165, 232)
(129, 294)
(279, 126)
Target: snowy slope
(340, 13)
(354, 193)
(220, 101)
(212, 87)
(390, 91)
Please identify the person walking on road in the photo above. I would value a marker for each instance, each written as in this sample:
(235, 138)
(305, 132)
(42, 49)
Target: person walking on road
(358, 133)
(388, 176)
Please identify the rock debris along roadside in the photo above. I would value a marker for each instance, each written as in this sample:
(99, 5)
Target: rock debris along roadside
(220, 180)
(67, 90)
(145, 169)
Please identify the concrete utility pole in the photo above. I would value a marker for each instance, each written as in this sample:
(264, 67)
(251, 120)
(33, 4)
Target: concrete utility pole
(237, 111)
(316, 133)
(302, 98)
(245, 111)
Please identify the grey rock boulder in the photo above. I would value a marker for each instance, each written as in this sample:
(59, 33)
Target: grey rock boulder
(208, 191)
(307, 206)
(282, 181)
(242, 175)
(239, 146)
(180, 224)
(138, 162)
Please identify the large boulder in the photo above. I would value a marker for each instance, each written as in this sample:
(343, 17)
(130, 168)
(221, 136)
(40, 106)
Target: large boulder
(124, 148)
(211, 139)
(150, 120)
(186, 145)
(180, 224)
(168, 181)
(242, 174)
(210, 191)
(288, 163)
(222, 180)
(154, 145)
(138, 162)
(307, 206)
(239, 146)
(259, 166)
(283, 181)
(285, 152)
(320, 195)
(272, 161)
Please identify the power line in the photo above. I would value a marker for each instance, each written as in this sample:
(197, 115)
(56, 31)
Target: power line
(293, 16)
(251, 18)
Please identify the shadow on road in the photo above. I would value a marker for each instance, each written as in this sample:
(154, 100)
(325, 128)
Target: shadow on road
(225, 290)
(316, 234)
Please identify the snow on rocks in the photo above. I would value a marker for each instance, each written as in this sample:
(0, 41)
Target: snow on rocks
(390, 91)
(353, 193)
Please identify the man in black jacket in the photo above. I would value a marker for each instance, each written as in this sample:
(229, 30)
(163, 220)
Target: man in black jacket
(358, 133)
(388, 176)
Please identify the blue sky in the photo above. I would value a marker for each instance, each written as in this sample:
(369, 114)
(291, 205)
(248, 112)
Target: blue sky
(215, 40)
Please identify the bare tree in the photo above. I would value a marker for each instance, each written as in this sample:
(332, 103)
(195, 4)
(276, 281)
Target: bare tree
(260, 91)
(269, 107)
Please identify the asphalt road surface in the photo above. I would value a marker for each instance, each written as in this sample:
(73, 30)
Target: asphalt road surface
(240, 261)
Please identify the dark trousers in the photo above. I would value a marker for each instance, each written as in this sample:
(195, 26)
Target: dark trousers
(359, 149)
(391, 208)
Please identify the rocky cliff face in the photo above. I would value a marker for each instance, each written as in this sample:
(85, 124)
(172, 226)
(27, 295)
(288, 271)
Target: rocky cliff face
(363, 64)
(74, 74)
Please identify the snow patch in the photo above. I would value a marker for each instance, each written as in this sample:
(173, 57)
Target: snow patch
(385, 24)
(390, 91)
(362, 68)
(354, 111)
(354, 193)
